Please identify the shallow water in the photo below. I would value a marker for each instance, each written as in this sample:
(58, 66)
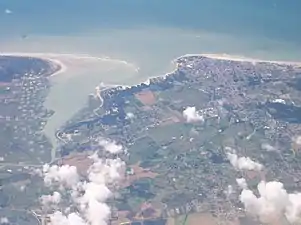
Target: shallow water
(148, 34)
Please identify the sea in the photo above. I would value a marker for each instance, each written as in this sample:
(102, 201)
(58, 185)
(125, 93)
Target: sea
(128, 41)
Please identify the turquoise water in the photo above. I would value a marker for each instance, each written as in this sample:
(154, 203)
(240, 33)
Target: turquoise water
(277, 19)
(149, 34)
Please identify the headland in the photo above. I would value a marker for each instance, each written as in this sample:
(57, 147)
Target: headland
(238, 100)
(251, 106)
(24, 84)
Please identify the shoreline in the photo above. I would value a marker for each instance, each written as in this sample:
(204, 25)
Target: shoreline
(240, 58)
(54, 63)
(58, 58)
(141, 86)
(222, 56)
(57, 61)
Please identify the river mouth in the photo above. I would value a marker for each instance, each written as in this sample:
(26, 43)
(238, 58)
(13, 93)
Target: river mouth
(69, 90)
(128, 57)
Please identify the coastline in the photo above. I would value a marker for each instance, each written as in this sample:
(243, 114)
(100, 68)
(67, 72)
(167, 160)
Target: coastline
(121, 90)
(57, 65)
(222, 56)
(58, 60)
(63, 59)
(240, 58)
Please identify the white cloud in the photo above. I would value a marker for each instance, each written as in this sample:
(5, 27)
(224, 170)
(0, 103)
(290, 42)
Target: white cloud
(273, 202)
(4, 220)
(88, 194)
(7, 11)
(229, 190)
(97, 213)
(293, 210)
(130, 115)
(243, 163)
(268, 147)
(242, 183)
(297, 140)
(58, 218)
(22, 187)
(191, 115)
(65, 176)
(110, 146)
(55, 198)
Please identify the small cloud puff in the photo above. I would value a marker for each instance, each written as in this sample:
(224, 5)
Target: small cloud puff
(55, 199)
(4, 220)
(191, 115)
(89, 194)
(242, 183)
(110, 146)
(272, 203)
(66, 176)
(243, 163)
(7, 11)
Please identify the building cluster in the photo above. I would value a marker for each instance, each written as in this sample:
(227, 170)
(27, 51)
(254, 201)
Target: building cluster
(237, 101)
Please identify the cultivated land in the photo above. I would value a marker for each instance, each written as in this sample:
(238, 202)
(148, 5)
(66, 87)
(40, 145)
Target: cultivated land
(24, 85)
(247, 105)
(177, 171)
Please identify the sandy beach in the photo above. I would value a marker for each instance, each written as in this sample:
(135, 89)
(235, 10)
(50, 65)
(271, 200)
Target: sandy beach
(223, 56)
(80, 74)
(240, 58)
(68, 60)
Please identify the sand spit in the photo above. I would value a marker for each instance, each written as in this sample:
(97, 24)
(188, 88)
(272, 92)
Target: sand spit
(45, 57)
(240, 58)
(67, 60)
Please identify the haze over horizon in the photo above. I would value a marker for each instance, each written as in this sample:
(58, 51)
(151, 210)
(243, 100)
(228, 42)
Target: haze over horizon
(147, 34)
(215, 142)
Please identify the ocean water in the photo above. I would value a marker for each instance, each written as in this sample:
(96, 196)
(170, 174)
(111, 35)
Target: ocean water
(149, 34)
(277, 19)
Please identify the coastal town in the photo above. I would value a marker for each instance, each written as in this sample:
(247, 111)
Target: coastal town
(24, 85)
(187, 146)
(178, 130)
(23, 116)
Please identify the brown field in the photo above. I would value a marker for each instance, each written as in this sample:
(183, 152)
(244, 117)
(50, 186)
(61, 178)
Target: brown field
(170, 120)
(121, 218)
(79, 160)
(146, 97)
(139, 172)
(194, 219)
(255, 174)
(201, 219)
(148, 211)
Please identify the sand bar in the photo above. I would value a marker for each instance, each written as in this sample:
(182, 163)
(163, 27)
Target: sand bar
(241, 59)
(66, 99)
(67, 60)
